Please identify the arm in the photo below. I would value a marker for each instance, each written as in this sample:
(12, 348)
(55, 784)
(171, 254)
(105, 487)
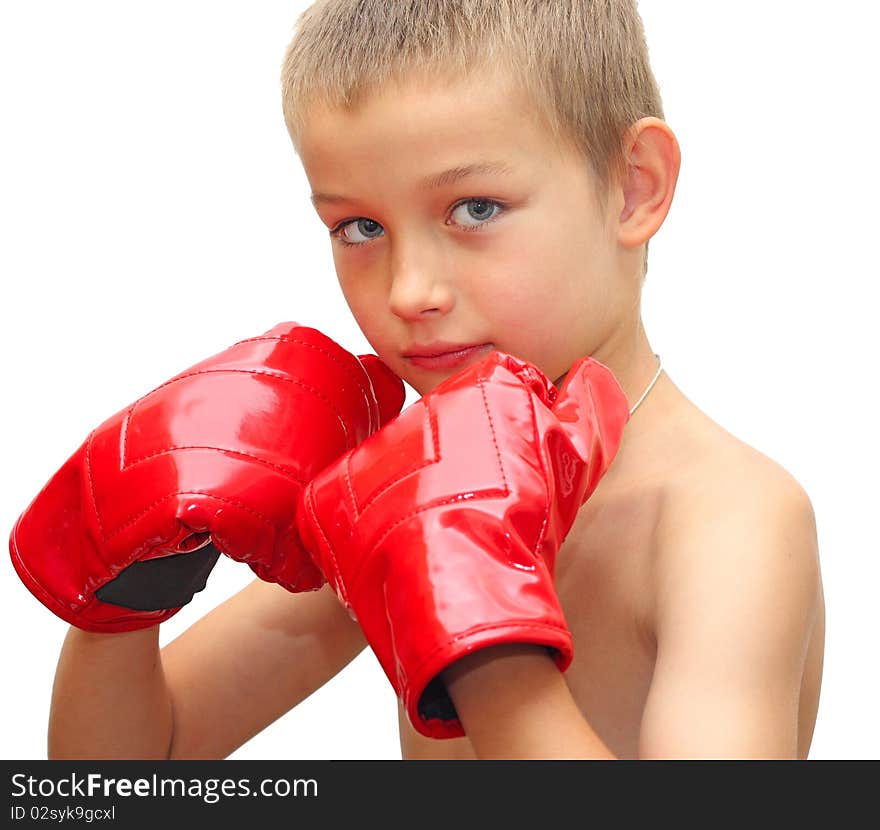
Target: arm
(736, 601)
(514, 703)
(219, 683)
(110, 698)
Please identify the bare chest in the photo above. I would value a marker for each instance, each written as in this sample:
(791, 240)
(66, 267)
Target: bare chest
(604, 580)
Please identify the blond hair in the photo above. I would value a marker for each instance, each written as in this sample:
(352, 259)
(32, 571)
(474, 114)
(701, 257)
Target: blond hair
(582, 64)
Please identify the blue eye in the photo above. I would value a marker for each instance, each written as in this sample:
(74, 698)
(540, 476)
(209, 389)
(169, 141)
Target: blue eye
(369, 224)
(481, 208)
(483, 211)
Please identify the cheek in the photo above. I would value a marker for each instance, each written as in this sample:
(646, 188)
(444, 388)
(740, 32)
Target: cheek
(357, 287)
(539, 257)
(541, 307)
(359, 306)
(532, 285)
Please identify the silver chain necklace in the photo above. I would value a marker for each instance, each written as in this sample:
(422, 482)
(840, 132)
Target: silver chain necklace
(650, 385)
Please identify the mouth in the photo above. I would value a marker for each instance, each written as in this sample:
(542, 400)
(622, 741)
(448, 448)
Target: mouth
(450, 359)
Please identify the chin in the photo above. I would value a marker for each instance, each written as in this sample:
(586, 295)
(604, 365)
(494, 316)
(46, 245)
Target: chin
(424, 388)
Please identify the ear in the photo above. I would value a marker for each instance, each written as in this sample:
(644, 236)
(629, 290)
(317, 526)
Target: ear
(654, 161)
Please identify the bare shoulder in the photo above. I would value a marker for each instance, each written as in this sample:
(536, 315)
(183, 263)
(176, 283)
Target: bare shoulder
(730, 475)
(737, 610)
(249, 661)
(732, 488)
(737, 522)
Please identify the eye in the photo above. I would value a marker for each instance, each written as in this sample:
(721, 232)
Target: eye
(364, 226)
(481, 210)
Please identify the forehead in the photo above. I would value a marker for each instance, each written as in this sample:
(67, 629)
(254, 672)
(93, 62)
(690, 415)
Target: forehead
(419, 124)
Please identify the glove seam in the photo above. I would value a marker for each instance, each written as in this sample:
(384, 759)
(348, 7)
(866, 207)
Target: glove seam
(286, 472)
(134, 519)
(371, 363)
(539, 444)
(595, 445)
(360, 509)
(115, 568)
(298, 342)
(339, 586)
(358, 379)
(482, 384)
(276, 375)
(350, 487)
(495, 492)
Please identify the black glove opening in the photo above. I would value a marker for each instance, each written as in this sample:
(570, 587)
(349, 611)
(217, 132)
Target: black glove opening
(158, 584)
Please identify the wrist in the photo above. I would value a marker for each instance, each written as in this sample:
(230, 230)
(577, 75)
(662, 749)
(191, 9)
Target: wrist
(429, 664)
(125, 641)
(498, 669)
(513, 702)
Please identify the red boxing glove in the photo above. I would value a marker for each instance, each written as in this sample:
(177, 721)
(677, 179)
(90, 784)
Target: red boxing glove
(440, 532)
(212, 461)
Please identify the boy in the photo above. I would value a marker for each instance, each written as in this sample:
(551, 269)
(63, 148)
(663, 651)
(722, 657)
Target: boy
(690, 579)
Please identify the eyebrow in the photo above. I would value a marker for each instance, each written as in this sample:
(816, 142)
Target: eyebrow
(436, 180)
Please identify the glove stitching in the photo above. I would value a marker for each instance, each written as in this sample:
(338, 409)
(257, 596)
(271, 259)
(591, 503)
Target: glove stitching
(133, 519)
(343, 593)
(296, 382)
(94, 497)
(430, 417)
(592, 457)
(339, 586)
(347, 476)
(332, 357)
(481, 382)
(285, 471)
(494, 492)
(545, 476)
(595, 454)
(375, 409)
(114, 571)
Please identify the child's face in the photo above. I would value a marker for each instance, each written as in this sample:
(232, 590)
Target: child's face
(521, 260)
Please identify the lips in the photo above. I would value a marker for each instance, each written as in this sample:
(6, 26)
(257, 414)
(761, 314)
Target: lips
(445, 355)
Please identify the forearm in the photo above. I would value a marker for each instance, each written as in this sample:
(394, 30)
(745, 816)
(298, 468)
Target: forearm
(110, 698)
(514, 704)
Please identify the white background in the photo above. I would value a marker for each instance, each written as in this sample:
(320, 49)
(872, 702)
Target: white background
(152, 212)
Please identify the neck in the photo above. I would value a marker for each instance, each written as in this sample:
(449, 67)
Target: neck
(631, 358)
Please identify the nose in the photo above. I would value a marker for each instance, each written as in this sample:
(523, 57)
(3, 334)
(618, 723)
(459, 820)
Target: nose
(419, 287)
